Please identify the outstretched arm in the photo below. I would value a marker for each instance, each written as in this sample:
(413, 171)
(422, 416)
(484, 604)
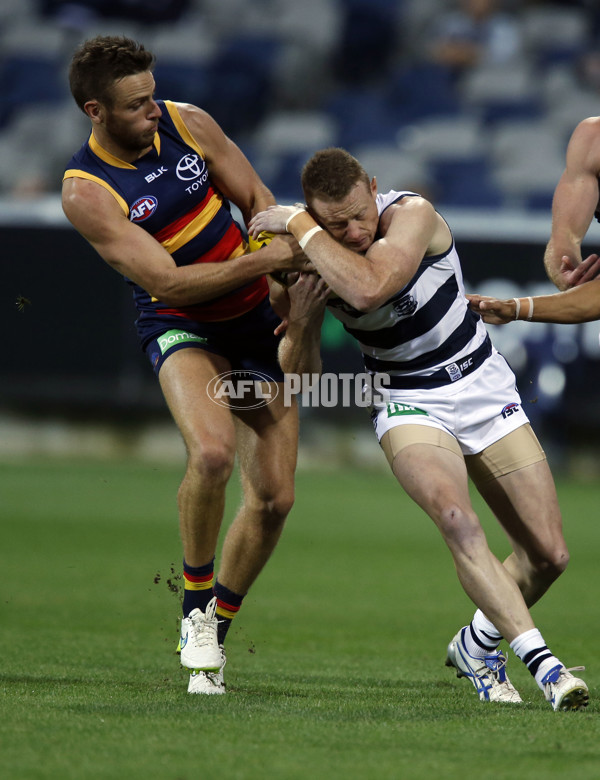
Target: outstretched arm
(580, 304)
(575, 201)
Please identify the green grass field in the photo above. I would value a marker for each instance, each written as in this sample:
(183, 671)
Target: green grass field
(335, 663)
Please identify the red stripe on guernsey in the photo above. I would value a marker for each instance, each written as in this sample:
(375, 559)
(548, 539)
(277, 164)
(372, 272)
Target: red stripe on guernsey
(170, 230)
(232, 305)
(230, 241)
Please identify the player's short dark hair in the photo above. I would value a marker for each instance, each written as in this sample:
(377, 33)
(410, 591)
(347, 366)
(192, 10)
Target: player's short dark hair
(100, 61)
(330, 174)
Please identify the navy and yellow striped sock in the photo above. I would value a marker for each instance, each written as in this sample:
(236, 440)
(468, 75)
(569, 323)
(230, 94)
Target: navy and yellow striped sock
(198, 586)
(228, 605)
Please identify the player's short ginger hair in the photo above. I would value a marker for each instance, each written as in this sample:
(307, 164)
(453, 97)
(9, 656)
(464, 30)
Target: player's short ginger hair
(330, 174)
(98, 62)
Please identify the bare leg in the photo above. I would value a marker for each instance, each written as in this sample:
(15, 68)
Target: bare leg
(525, 504)
(267, 448)
(209, 435)
(437, 480)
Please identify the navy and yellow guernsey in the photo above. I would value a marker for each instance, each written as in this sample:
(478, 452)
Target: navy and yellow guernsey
(168, 192)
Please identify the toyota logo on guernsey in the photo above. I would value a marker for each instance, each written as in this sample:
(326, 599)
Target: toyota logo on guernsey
(188, 167)
(242, 389)
(143, 208)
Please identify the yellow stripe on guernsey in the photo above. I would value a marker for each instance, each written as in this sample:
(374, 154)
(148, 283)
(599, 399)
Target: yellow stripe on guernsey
(197, 225)
(109, 158)
(225, 613)
(75, 173)
(182, 128)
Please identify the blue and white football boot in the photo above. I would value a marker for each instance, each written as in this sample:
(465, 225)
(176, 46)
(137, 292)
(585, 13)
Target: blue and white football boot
(488, 674)
(564, 691)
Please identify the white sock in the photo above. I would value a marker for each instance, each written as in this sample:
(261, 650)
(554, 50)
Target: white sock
(485, 631)
(532, 650)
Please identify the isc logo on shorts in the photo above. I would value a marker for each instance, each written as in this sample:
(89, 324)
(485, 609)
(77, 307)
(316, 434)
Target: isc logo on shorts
(510, 409)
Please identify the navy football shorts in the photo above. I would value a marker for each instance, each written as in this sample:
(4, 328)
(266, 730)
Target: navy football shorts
(247, 342)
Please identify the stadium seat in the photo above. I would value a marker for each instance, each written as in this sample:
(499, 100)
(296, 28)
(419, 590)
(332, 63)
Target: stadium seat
(363, 116)
(27, 80)
(239, 79)
(423, 90)
(393, 168)
(182, 81)
(554, 34)
(466, 184)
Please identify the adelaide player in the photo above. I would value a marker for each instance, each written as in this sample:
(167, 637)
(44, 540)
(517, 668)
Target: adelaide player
(150, 191)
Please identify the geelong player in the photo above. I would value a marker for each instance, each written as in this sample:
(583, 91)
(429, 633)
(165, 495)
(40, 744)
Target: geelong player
(149, 190)
(453, 410)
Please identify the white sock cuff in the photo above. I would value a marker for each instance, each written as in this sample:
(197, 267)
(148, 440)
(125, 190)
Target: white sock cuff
(481, 623)
(527, 639)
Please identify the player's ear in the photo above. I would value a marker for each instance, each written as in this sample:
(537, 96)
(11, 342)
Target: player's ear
(94, 110)
(373, 186)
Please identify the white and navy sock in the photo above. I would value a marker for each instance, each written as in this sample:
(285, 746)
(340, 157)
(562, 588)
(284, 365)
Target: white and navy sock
(533, 651)
(481, 637)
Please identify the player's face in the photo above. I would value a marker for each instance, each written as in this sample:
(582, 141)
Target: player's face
(132, 119)
(352, 221)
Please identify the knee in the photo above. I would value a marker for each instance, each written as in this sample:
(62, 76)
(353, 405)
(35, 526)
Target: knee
(211, 461)
(274, 506)
(461, 528)
(279, 504)
(552, 563)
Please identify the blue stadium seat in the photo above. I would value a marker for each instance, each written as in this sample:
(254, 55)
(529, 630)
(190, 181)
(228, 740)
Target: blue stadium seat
(363, 116)
(423, 90)
(465, 184)
(186, 82)
(239, 80)
(29, 79)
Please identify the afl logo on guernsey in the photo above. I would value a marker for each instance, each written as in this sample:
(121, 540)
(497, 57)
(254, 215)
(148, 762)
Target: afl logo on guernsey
(143, 208)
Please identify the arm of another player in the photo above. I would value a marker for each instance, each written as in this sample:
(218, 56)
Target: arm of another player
(580, 304)
(574, 203)
(300, 347)
(133, 252)
(365, 281)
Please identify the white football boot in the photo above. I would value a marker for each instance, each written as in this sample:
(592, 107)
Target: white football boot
(198, 644)
(209, 683)
(488, 674)
(564, 691)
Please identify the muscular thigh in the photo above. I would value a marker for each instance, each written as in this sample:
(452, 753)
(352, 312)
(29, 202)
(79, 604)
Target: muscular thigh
(187, 382)
(514, 478)
(429, 465)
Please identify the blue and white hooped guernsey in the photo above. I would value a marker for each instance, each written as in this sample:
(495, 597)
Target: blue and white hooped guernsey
(425, 335)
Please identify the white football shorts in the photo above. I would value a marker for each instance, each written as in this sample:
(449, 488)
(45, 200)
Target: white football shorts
(477, 410)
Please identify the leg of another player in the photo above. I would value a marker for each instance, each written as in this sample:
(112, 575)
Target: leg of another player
(267, 440)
